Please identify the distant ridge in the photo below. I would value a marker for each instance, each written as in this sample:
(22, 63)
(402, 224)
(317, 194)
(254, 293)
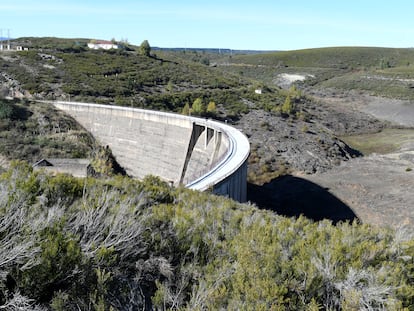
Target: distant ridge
(214, 50)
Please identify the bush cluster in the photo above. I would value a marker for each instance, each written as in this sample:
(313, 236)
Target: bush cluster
(32, 131)
(122, 244)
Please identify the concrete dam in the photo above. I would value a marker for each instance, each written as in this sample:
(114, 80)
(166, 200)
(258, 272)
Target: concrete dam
(198, 153)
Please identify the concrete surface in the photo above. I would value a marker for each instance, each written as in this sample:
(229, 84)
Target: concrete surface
(201, 154)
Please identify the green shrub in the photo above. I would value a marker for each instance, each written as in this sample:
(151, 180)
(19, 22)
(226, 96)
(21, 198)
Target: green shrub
(198, 108)
(148, 245)
(59, 259)
(6, 109)
(287, 107)
(62, 188)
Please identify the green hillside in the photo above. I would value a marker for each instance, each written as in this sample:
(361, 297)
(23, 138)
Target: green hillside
(380, 71)
(32, 131)
(334, 57)
(66, 69)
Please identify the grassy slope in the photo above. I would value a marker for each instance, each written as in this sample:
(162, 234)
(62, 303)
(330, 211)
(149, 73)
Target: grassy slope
(33, 131)
(381, 71)
(386, 141)
(335, 57)
(62, 68)
(121, 243)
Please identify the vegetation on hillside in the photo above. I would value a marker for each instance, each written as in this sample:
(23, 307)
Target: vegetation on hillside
(132, 76)
(333, 57)
(380, 71)
(121, 244)
(32, 131)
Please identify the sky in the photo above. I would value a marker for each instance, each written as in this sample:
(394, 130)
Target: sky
(239, 25)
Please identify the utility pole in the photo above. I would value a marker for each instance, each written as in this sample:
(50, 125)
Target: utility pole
(8, 39)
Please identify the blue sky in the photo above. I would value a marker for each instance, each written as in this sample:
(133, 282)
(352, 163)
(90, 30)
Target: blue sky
(256, 25)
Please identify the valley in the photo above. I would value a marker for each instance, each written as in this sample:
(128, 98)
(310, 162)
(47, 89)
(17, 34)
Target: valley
(328, 225)
(330, 127)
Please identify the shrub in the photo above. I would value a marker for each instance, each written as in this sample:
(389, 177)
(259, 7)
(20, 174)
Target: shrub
(144, 245)
(59, 259)
(6, 109)
(287, 107)
(198, 107)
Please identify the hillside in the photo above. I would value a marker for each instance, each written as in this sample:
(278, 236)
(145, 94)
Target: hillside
(70, 244)
(67, 70)
(334, 57)
(379, 71)
(290, 130)
(32, 132)
(120, 244)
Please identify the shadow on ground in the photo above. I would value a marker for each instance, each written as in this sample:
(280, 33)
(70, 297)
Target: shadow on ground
(294, 196)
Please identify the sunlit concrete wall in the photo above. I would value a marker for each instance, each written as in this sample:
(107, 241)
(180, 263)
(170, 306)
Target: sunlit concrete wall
(201, 154)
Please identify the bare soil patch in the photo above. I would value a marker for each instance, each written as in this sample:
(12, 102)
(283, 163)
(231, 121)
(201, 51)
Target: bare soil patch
(376, 189)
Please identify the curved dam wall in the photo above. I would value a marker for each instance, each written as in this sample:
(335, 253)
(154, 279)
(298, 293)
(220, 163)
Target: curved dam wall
(201, 154)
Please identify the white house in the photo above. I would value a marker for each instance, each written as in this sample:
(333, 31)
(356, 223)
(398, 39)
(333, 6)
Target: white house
(106, 45)
(21, 48)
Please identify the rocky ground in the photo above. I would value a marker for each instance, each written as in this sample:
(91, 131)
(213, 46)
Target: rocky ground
(285, 144)
(375, 189)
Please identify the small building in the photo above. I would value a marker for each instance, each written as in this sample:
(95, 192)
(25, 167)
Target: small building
(4, 47)
(101, 44)
(75, 167)
(21, 48)
(258, 91)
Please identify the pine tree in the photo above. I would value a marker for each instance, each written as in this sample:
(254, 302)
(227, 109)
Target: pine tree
(145, 48)
(198, 107)
(211, 108)
(186, 110)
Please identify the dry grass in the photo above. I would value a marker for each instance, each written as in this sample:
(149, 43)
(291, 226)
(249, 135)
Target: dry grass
(386, 141)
